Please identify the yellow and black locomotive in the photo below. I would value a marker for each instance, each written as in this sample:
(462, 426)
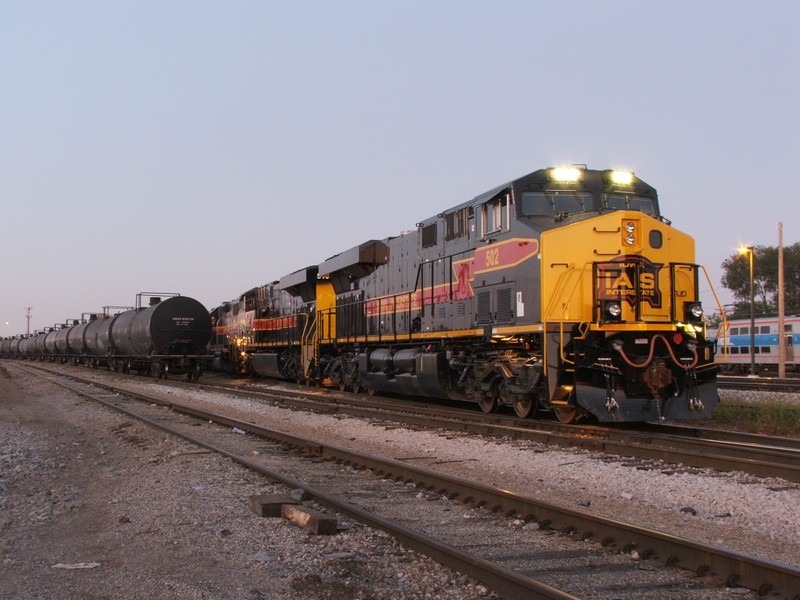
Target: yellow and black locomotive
(564, 290)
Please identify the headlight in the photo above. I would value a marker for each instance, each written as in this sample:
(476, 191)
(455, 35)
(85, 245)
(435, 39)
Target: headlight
(622, 177)
(566, 174)
(612, 311)
(630, 232)
(693, 312)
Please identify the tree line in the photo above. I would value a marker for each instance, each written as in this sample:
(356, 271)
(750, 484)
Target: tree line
(736, 278)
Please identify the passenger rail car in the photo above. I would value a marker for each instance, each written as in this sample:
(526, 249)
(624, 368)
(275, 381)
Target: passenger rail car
(733, 349)
(170, 336)
(564, 290)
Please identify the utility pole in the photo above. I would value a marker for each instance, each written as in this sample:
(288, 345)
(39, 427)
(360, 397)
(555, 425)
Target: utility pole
(28, 316)
(781, 309)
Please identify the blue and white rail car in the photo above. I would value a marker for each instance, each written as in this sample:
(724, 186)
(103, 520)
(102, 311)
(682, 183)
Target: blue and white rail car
(733, 349)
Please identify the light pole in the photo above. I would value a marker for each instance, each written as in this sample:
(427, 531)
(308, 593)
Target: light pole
(750, 250)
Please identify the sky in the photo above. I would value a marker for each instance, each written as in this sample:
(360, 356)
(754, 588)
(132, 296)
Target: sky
(207, 147)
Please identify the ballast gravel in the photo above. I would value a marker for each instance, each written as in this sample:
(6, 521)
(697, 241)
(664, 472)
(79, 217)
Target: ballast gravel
(753, 515)
(93, 505)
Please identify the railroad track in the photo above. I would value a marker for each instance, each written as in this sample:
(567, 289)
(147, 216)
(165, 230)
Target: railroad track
(761, 384)
(492, 552)
(691, 446)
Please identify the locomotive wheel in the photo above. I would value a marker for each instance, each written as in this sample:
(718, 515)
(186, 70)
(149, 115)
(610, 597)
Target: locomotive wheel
(342, 386)
(566, 414)
(371, 391)
(357, 387)
(524, 408)
(488, 403)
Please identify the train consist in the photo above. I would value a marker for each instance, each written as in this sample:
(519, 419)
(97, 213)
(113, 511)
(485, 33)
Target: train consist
(170, 336)
(733, 350)
(564, 290)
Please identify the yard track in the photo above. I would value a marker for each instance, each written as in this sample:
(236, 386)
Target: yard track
(497, 565)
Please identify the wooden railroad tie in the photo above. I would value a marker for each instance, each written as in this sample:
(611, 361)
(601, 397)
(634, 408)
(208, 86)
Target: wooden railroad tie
(274, 505)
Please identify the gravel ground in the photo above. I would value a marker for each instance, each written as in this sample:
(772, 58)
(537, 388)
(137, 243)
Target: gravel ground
(80, 486)
(750, 397)
(95, 506)
(751, 514)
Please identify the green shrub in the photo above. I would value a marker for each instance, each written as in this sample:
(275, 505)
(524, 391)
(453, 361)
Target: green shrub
(764, 416)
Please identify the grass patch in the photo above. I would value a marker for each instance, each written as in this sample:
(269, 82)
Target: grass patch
(765, 416)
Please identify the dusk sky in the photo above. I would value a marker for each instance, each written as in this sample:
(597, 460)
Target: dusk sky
(209, 147)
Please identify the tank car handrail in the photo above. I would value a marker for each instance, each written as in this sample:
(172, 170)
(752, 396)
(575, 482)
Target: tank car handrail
(153, 295)
(107, 309)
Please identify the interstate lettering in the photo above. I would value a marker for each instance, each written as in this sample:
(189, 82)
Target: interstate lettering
(631, 280)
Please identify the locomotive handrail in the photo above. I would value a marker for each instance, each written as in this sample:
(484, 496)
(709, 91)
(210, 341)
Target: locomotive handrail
(561, 324)
(309, 329)
(387, 307)
(722, 333)
(559, 292)
(560, 284)
(724, 325)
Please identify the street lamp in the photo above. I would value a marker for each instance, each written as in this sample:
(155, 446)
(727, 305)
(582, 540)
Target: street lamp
(750, 250)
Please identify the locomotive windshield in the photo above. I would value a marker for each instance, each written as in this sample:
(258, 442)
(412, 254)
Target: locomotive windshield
(624, 202)
(542, 204)
(539, 204)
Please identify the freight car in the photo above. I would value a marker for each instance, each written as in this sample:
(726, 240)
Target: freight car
(564, 290)
(168, 337)
(733, 348)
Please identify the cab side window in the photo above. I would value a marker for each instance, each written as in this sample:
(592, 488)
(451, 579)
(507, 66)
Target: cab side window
(496, 214)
